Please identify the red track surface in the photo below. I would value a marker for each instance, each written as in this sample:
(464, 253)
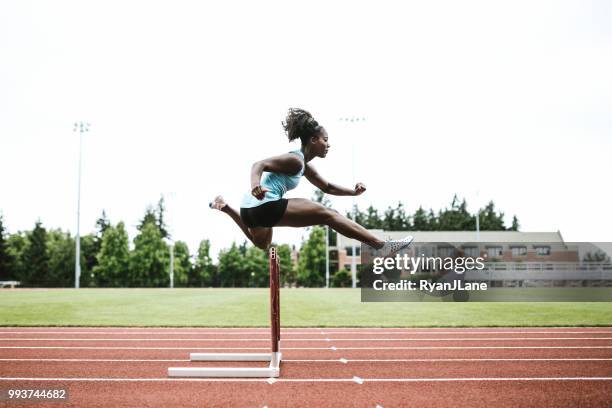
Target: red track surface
(118, 367)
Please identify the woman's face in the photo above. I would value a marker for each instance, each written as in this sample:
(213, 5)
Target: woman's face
(320, 144)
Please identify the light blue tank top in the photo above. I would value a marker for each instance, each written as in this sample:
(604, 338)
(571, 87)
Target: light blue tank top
(277, 183)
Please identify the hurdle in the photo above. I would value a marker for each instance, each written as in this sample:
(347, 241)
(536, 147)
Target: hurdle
(274, 357)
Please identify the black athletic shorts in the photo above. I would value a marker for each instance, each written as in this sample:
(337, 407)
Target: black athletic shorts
(265, 215)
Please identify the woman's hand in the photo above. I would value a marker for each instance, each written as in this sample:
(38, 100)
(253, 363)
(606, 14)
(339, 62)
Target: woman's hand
(359, 188)
(259, 192)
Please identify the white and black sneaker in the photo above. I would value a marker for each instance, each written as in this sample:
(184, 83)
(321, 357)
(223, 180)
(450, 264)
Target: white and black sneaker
(392, 247)
(218, 203)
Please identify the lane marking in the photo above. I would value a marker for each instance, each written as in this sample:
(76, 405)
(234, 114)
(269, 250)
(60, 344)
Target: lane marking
(136, 332)
(341, 360)
(295, 380)
(305, 348)
(312, 340)
(358, 380)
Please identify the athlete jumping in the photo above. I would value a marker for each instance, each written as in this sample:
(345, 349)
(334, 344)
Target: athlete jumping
(264, 206)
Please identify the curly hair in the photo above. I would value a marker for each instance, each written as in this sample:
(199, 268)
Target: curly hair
(300, 124)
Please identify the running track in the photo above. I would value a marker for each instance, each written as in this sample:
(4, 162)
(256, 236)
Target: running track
(398, 367)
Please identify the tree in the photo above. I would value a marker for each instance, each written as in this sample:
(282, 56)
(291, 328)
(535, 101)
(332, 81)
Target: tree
(36, 258)
(342, 279)
(182, 264)
(256, 267)
(61, 251)
(420, 220)
(16, 244)
(311, 264)
(202, 273)
(113, 260)
(456, 218)
(150, 259)
(89, 253)
(161, 224)
(287, 271)
(6, 260)
(231, 267)
(372, 219)
(515, 224)
(491, 220)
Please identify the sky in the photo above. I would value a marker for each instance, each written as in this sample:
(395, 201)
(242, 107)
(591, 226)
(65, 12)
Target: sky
(502, 101)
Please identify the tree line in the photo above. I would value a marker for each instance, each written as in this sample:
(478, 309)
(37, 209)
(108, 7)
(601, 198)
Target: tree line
(46, 258)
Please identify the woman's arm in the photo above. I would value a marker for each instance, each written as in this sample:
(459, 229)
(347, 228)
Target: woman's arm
(285, 163)
(328, 188)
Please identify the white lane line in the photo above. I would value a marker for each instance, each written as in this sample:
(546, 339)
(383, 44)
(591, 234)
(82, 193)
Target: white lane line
(334, 360)
(314, 339)
(434, 360)
(302, 333)
(297, 380)
(306, 348)
(102, 360)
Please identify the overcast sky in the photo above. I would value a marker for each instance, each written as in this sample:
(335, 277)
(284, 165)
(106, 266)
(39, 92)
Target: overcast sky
(512, 99)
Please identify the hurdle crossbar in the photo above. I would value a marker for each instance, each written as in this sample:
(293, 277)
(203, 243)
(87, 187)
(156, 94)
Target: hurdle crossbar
(274, 357)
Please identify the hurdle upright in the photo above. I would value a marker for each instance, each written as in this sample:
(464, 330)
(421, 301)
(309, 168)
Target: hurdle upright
(274, 357)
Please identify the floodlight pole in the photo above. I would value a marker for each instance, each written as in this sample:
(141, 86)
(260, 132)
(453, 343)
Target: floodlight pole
(171, 265)
(81, 127)
(353, 119)
(327, 256)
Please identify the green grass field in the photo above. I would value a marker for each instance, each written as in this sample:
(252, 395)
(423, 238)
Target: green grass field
(249, 308)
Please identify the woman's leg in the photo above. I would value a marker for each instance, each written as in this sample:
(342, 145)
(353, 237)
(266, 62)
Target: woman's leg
(261, 237)
(302, 213)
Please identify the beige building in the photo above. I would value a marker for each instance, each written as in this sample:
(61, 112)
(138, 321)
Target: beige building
(502, 246)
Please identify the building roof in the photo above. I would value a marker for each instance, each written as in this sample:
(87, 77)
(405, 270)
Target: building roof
(463, 236)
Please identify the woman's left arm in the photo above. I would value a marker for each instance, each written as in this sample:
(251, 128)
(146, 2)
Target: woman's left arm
(315, 178)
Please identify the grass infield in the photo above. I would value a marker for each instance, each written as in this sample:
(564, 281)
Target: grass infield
(249, 308)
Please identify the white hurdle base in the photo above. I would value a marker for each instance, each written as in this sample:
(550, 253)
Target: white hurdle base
(272, 371)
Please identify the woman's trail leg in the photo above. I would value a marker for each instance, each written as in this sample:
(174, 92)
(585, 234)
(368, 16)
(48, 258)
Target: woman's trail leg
(302, 213)
(261, 237)
(236, 217)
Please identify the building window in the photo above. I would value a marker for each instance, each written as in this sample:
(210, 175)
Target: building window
(471, 252)
(519, 251)
(349, 251)
(347, 267)
(445, 251)
(494, 251)
(542, 250)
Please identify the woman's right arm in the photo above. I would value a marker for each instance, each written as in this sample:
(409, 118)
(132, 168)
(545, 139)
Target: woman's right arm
(285, 163)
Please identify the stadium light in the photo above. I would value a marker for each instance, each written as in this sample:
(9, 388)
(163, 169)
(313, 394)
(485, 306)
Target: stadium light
(80, 127)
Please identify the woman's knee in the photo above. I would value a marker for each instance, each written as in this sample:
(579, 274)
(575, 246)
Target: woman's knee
(330, 215)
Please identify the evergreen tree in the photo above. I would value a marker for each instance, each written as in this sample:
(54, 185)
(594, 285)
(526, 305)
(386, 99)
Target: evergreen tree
(311, 264)
(182, 264)
(89, 253)
(420, 220)
(6, 260)
(61, 251)
(150, 259)
(456, 218)
(36, 258)
(490, 220)
(372, 219)
(161, 224)
(515, 224)
(202, 273)
(16, 244)
(112, 269)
